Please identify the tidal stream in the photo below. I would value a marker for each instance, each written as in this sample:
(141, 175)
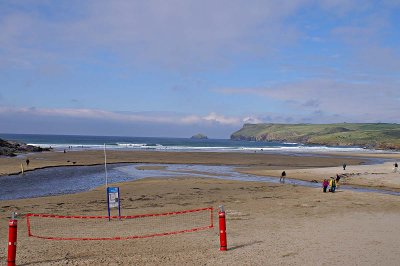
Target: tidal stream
(74, 179)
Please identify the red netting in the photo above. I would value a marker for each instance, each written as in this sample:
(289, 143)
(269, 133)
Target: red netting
(57, 227)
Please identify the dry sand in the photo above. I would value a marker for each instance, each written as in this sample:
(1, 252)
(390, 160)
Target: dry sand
(267, 224)
(375, 176)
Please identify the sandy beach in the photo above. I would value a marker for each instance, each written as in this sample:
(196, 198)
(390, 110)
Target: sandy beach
(267, 224)
(127, 126)
(309, 167)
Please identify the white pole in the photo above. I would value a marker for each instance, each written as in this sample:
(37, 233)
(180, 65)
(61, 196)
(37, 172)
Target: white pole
(105, 164)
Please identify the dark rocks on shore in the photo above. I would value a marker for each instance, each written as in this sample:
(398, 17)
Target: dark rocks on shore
(12, 148)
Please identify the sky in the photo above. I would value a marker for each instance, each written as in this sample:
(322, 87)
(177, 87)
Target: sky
(179, 67)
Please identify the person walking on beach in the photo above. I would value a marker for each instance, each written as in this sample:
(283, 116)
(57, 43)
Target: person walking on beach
(283, 176)
(344, 166)
(27, 162)
(395, 167)
(337, 178)
(325, 185)
(337, 181)
(332, 183)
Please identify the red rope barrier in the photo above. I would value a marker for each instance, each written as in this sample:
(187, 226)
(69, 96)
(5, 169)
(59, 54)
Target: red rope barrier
(116, 217)
(211, 225)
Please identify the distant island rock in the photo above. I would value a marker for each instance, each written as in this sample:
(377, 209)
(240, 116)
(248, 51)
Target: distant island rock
(12, 148)
(384, 136)
(199, 136)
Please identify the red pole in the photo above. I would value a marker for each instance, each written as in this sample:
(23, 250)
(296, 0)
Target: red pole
(12, 241)
(222, 229)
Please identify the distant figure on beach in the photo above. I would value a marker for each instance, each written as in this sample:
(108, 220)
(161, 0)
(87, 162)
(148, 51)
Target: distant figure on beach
(332, 183)
(325, 185)
(337, 178)
(27, 162)
(344, 166)
(283, 176)
(65, 151)
(396, 166)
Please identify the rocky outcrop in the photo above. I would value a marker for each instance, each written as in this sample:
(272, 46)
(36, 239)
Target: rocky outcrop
(12, 148)
(199, 136)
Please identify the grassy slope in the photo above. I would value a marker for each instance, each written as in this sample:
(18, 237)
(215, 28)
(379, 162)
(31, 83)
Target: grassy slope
(379, 135)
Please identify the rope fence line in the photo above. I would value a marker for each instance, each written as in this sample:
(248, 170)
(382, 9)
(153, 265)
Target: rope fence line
(62, 227)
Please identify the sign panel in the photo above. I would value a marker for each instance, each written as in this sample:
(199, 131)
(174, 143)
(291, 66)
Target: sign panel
(113, 200)
(113, 197)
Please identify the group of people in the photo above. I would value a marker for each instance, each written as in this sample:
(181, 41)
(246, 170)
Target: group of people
(332, 183)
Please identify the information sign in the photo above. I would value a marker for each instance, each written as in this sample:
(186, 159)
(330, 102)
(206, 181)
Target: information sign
(113, 199)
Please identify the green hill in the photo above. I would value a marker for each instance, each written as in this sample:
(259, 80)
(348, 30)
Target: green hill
(378, 135)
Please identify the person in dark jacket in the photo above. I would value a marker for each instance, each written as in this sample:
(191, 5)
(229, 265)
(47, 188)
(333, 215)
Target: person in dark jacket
(283, 176)
(337, 178)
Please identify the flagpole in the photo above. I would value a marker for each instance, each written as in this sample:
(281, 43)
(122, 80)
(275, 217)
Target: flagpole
(105, 164)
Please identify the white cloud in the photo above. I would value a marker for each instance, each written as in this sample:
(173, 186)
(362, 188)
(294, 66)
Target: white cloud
(366, 101)
(213, 117)
(128, 117)
(252, 120)
(187, 35)
(174, 34)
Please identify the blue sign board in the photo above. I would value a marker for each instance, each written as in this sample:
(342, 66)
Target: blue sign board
(113, 200)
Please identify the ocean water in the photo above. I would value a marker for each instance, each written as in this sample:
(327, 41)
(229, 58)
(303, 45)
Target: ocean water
(78, 142)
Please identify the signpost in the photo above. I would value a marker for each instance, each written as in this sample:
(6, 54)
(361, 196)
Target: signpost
(113, 200)
(105, 164)
(112, 192)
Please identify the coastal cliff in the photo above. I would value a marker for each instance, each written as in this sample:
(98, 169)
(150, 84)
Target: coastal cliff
(370, 135)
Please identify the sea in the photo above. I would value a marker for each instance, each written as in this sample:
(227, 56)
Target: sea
(84, 142)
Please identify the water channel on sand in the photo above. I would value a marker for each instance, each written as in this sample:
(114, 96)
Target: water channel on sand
(73, 179)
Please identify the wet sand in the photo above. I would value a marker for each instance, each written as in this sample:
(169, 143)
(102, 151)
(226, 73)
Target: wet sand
(296, 166)
(267, 224)
(272, 161)
(380, 176)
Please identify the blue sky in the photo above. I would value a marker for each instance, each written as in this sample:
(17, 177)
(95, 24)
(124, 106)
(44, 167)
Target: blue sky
(177, 68)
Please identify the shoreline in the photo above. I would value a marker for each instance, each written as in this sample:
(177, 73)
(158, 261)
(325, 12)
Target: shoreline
(12, 165)
(70, 180)
(307, 168)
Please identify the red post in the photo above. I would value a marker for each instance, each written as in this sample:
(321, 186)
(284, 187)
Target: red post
(12, 241)
(222, 229)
